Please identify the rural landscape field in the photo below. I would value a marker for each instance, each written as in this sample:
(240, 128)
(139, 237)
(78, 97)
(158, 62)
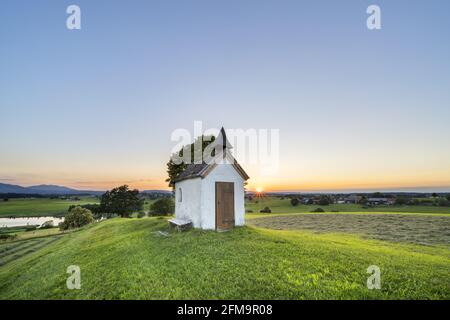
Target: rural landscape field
(291, 253)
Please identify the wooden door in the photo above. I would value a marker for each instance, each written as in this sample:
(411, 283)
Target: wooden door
(224, 205)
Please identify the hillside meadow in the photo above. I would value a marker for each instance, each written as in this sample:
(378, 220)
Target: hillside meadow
(128, 259)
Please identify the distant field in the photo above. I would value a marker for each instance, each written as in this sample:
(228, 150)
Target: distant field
(22, 235)
(417, 229)
(284, 206)
(37, 207)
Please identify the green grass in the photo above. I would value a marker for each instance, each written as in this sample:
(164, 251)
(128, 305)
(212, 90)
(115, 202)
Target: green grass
(15, 250)
(38, 207)
(15, 229)
(147, 204)
(278, 205)
(37, 233)
(126, 259)
(430, 229)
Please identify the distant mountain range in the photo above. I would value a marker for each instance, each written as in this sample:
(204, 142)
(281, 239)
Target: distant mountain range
(156, 191)
(48, 189)
(44, 189)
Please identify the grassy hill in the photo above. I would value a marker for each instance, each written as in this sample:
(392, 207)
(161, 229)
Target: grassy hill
(128, 259)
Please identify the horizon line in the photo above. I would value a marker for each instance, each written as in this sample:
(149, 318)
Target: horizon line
(418, 189)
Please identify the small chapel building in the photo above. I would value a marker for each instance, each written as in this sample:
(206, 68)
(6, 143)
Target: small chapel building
(211, 196)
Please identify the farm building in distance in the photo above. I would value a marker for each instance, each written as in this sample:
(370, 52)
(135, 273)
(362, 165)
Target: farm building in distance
(379, 201)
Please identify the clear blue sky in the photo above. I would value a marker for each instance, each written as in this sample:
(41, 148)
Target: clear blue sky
(95, 107)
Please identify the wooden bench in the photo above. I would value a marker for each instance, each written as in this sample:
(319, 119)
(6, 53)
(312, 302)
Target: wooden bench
(180, 224)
